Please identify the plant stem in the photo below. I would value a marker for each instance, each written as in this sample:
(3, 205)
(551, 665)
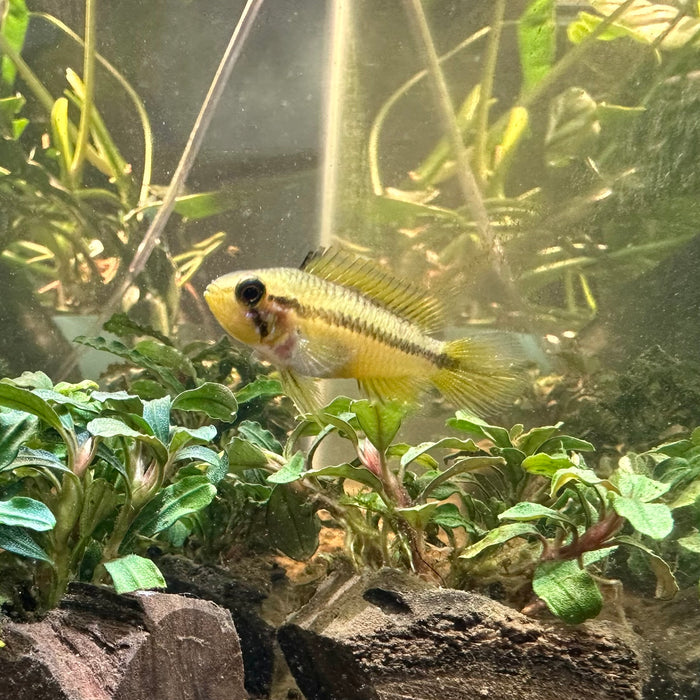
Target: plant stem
(26, 73)
(81, 145)
(482, 113)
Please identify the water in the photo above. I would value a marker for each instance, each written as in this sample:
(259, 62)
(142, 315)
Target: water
(540, 179)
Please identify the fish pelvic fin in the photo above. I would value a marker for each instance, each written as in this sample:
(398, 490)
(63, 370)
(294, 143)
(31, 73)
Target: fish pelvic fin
(481, 378)
(303, 391)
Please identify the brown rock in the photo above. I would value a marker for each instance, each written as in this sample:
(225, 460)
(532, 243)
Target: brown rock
(386, 637)
(100, 646)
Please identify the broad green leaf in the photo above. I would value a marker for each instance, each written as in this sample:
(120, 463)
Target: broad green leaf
(399, 449)
(245, 455)
(449, 517)
(379, 421)
(218, 463)
(468, 423)
(27, 457)
(125, 327)
(418, 516)
(255, 433)
(120, 400)
(33, 380)
(23, 400)
(569, 591)
(342, 423)
(446, 443)
(652, 519)
(291, 471)
(498, 536)
(16, 427)
(260, 387)
(347, 471)
(292, 525)
(166, 356)
(466, 464)
(587, 477)
(566, 443)
(216, 400)
(21, 511)
(79, 400)
(180, 436)
(537, 41)
(157, 414)
(14, 28)
(641, 488)
(134, 573)
(181, 498)
(545, 464)
(531, 441)
(666, 585)
(18, 541)
(111, 427)
(691, 543)
(527, 511)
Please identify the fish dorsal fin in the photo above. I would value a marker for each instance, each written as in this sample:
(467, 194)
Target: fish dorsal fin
(364, 276)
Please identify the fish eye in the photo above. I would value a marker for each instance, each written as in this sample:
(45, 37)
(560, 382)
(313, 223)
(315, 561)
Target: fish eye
(250, 291)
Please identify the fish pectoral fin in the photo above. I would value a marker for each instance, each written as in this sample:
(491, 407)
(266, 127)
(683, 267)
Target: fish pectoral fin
(303, 391)
(405, 389)
(316, 358)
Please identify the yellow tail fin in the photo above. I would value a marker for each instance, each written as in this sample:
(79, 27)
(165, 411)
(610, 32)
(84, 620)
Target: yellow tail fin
(482, 377)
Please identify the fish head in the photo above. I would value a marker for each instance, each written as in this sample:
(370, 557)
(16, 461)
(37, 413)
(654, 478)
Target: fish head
(246, 307)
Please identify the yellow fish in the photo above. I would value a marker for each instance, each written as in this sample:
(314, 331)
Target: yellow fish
(343, 316)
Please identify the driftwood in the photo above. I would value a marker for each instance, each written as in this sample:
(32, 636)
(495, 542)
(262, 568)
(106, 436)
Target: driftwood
(100, 646)
(387, 637)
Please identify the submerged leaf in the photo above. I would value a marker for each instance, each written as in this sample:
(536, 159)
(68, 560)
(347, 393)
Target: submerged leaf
(21, 511)
(497, 536)
(292, 523)
(379, 421)
(18, 541)
(134, 573)
(216, 400)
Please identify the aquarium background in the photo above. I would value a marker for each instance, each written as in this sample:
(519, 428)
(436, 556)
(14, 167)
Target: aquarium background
(532, 162)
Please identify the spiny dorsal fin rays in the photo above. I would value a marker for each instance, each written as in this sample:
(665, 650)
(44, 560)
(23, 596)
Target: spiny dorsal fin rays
(364, 276)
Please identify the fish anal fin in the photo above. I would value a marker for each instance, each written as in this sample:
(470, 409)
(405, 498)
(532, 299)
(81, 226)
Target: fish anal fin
(303, 391)
(403, 389)
(366, 277)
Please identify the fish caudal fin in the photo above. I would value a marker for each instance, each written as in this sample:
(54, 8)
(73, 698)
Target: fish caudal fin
(481, 378)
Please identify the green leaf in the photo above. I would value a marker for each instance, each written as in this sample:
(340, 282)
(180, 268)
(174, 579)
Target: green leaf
(399, 449)
(119, 400)
(291, 471)
(245, 455)
(22, 400)
(33, 380)
(537, 41)
(120, 324)
(111, 427)
(134, 573)
(468, 423)
(498, 536)
(204, 204)
(157, 414)
(255, 433)
(418, 516)
(172, 503)
(260, 387)
(531, 441)
(101, 500)
(291, 522)
(218, 464)
(666, 585)
(566, 443)
(16, 427)
(587, 477)
(180, 436)
(379, 421)
(446, 443)
(641, 488)
(21, 511)
(569, 591)
(691, 543)
(216, 400)
(28, 457)
(449, 517)
(545, 464)
(652, 519)
(14, 28)
(526, 511)
(347, 471)
(18, 541)
(166, 356)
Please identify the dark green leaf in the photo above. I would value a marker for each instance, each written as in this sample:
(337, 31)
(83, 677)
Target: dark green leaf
(123, 326)
(546, 465)
(180, 436)
(255, 433)
(652, 519)
(527, 511)
(18, 541)
(587, 477)
(33, 380)
(260, 387)
(134, 573)
(399, 449)
(23, 400)
(101, 500)
(245, 455)
(449, 517)
(21, 511)
(418, 516)
(166, 356)
(566, 443)
(532, 441)
(27, 457)
(157, 414)
(291, 522)
(666, 585)
(14, 29)
(379, 421)
(347, 471)
(569, 591)
(16, 427)
(216, 400)
(111, 427)
(641, 488)
(446, 443)
(120, 400)
(218, 464)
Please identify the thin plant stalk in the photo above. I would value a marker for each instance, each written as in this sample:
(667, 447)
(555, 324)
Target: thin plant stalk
(27, 74)
(81, 144)
(189, 154)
